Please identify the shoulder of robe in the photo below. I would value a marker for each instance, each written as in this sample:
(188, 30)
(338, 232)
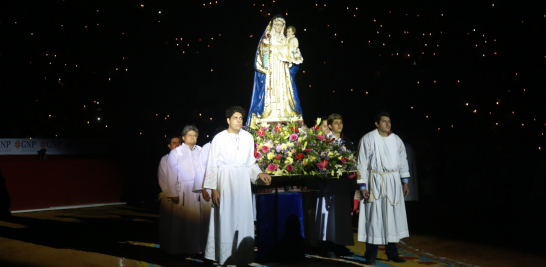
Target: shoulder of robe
(245, 133)
(368, 135)
(198, 147)
(218, 136)
(395, 136)
(178, 150)
(165, 157)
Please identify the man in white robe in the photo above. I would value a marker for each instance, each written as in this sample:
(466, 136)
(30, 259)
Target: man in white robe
(182, 162)
(383, 184)
(204, 199)
(165, 209)
(231, 167)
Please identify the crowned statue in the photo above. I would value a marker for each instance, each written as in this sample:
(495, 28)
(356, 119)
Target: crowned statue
(275, 96)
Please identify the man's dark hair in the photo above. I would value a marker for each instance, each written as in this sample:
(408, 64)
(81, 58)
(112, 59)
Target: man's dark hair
(171, 139)
(334, 117)
(230, 111)
(381, 114)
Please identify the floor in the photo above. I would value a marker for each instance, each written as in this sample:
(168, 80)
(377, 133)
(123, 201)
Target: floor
(128, 237)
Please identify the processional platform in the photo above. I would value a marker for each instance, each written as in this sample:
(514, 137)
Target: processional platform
(284, 224)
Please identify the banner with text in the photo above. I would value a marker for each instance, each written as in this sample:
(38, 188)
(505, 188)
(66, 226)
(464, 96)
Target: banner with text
(23, 146)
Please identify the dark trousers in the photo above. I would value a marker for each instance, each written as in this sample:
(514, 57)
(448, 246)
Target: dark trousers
(371, 251)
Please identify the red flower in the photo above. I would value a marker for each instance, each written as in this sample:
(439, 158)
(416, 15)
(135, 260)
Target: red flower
(255, 153)
(261, 132)
(307, 150)
(325, 162)
(351, 176)
(344, 159)
(278, 156)
(315, 128)
(289, 168)
(278, 128)
(330, 140)
(320, 166)
(271, 167)
(294, 129)
(299, 156)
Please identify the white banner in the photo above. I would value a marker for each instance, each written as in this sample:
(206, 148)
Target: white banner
(23, 146)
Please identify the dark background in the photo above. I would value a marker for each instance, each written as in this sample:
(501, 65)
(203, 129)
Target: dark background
(478, 180)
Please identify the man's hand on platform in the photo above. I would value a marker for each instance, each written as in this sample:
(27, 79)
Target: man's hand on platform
(215, 197)
(406, 190)
(365, 193)
(175, 200)
(205, 195)
(266, 178)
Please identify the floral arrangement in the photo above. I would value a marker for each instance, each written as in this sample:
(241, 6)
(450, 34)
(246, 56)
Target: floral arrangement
(293, 150)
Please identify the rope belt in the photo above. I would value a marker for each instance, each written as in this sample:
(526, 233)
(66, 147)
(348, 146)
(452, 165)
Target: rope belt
(383, 186)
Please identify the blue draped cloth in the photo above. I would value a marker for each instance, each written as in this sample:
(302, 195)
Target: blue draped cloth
(280, 225)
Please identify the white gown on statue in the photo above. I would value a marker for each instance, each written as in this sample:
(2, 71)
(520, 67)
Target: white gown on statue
(279, 95)
(185, 222)
(383, 219)
(231, 167)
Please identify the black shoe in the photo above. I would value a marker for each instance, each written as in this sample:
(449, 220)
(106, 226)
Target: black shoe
(397, 259)
(369, 262)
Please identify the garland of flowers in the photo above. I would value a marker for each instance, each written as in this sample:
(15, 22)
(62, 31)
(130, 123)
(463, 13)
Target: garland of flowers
(293, 150)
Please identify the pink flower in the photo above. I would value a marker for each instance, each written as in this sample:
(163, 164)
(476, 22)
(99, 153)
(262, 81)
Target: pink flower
(351, 176)
(293, 137)
(271, 167)
(289, 168)
(324, 162)
(255, 146)
(320, 137)
(258, 155)
(261, 132)
(307, 150)
(344, 159)
(265, 149)
(320, 166)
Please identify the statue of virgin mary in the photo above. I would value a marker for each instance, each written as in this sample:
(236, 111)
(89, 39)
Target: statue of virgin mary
(275, 96)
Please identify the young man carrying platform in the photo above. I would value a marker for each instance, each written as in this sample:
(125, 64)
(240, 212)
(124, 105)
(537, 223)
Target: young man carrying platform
(231, 167)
